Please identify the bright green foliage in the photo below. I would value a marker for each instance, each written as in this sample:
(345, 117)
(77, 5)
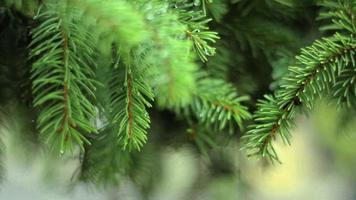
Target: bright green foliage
(105, 20)
(314, 73)
(319, 67)
(63, 78)
(324, 60)
(197, 29)
(216, 104)
(344, 89)
(130, 96)
(168, 56)
(90, 73)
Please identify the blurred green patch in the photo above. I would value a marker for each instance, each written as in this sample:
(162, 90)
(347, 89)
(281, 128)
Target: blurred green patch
(336, 129)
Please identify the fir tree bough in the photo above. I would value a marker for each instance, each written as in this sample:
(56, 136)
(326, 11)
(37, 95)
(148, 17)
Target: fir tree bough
(63, 81)
(315, 72)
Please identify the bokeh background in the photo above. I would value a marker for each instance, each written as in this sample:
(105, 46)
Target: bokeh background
(319, 164)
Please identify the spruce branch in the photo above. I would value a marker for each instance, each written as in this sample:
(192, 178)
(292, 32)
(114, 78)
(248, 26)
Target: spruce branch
(217, 105)
(197, 29)
(131, 97)
(340, 14)
(344, 90)
(316, 69)
(62, 76)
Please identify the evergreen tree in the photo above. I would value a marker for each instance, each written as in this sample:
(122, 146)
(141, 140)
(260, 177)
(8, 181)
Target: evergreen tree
(98, 74)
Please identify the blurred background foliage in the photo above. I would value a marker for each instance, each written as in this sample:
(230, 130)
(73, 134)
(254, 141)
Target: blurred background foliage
(318, 165)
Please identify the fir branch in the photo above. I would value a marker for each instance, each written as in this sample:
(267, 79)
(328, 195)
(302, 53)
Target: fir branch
(62, 76)
(197, 28)
(340, 14)
(129, 101)
(324, 60)
(216, 104)
(344, 90)
(318, 65)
